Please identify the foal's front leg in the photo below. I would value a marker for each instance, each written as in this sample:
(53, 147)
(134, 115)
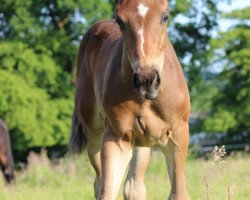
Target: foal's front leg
(115, 155)
(175, 154)
(134, 186)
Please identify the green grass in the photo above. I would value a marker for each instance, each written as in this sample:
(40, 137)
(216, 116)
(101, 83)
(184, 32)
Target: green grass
(72, 179)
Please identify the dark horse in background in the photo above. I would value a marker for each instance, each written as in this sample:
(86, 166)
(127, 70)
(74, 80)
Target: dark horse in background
(6, 158)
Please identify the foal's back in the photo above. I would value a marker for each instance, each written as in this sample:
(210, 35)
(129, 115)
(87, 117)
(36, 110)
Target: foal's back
(98, 43)
(100, 47)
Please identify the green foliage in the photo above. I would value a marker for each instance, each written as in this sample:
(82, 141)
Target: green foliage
(222, 120)
(17, 57)
(231, 108)
(242, 14)
(181, 6)
(190, 29)
(38, 47)
(52, 26)
(34, 120)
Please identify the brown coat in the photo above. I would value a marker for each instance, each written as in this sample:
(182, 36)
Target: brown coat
(130, 76)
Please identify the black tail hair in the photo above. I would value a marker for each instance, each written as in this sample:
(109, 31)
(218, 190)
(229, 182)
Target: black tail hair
(77, 140)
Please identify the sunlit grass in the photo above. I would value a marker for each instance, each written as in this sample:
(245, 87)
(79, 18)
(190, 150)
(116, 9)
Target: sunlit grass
(72, 179)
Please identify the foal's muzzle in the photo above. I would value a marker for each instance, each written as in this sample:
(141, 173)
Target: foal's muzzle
(147, 84)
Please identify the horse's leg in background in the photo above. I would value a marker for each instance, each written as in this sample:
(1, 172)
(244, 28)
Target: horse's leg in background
(175, 154)
(134, 185)
(116, 153)
(3, 160)
(6, 158)
(7, 166)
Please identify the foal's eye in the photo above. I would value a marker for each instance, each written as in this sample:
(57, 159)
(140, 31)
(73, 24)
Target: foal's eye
(120, 23)
(164, 18)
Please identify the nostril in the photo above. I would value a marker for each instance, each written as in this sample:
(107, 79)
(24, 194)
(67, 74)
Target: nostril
(156, 80)
(136, 81)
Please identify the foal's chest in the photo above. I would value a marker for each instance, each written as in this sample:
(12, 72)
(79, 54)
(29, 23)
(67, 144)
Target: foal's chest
(148, 127)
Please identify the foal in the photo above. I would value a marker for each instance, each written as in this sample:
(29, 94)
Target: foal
(128, 74)
(6, 158)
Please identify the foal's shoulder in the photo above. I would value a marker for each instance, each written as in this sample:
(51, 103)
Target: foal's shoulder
(106, 29)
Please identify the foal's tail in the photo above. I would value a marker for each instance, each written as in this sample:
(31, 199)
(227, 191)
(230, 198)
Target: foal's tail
(77, 140)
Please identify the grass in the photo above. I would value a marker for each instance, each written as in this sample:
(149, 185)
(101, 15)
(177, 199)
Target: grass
(72, 179)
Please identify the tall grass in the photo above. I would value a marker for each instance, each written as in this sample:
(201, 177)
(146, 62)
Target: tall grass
(72, 179)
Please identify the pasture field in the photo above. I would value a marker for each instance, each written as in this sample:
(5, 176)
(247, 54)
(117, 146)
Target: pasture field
(72, 179)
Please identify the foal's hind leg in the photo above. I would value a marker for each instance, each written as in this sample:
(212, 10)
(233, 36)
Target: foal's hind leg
(134, 186)
(93, 148)
(93, 131)
(92, 124)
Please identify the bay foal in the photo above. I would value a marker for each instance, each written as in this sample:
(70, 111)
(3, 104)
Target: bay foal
(128, 74)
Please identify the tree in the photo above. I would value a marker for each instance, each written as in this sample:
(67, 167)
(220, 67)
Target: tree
(191, 26)
(38, 47)
(51, 26)
(231, 106)
(33, 118)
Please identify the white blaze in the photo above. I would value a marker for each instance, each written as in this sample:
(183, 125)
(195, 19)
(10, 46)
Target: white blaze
(142, 9)
(141, 34)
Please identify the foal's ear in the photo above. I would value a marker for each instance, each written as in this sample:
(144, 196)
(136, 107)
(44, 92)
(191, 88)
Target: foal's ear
(119, 1)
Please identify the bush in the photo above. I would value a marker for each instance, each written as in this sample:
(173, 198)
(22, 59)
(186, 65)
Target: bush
(32, 117)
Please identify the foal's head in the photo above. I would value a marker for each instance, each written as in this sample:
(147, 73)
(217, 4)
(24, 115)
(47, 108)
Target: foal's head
(143, 26)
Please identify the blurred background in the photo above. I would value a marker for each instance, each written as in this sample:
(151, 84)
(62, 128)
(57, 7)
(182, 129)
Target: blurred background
(38, 47)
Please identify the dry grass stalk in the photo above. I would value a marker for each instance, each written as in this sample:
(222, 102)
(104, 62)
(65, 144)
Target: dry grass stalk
(230, 192)
(36, 160)
(206, 197)
(219, 154)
